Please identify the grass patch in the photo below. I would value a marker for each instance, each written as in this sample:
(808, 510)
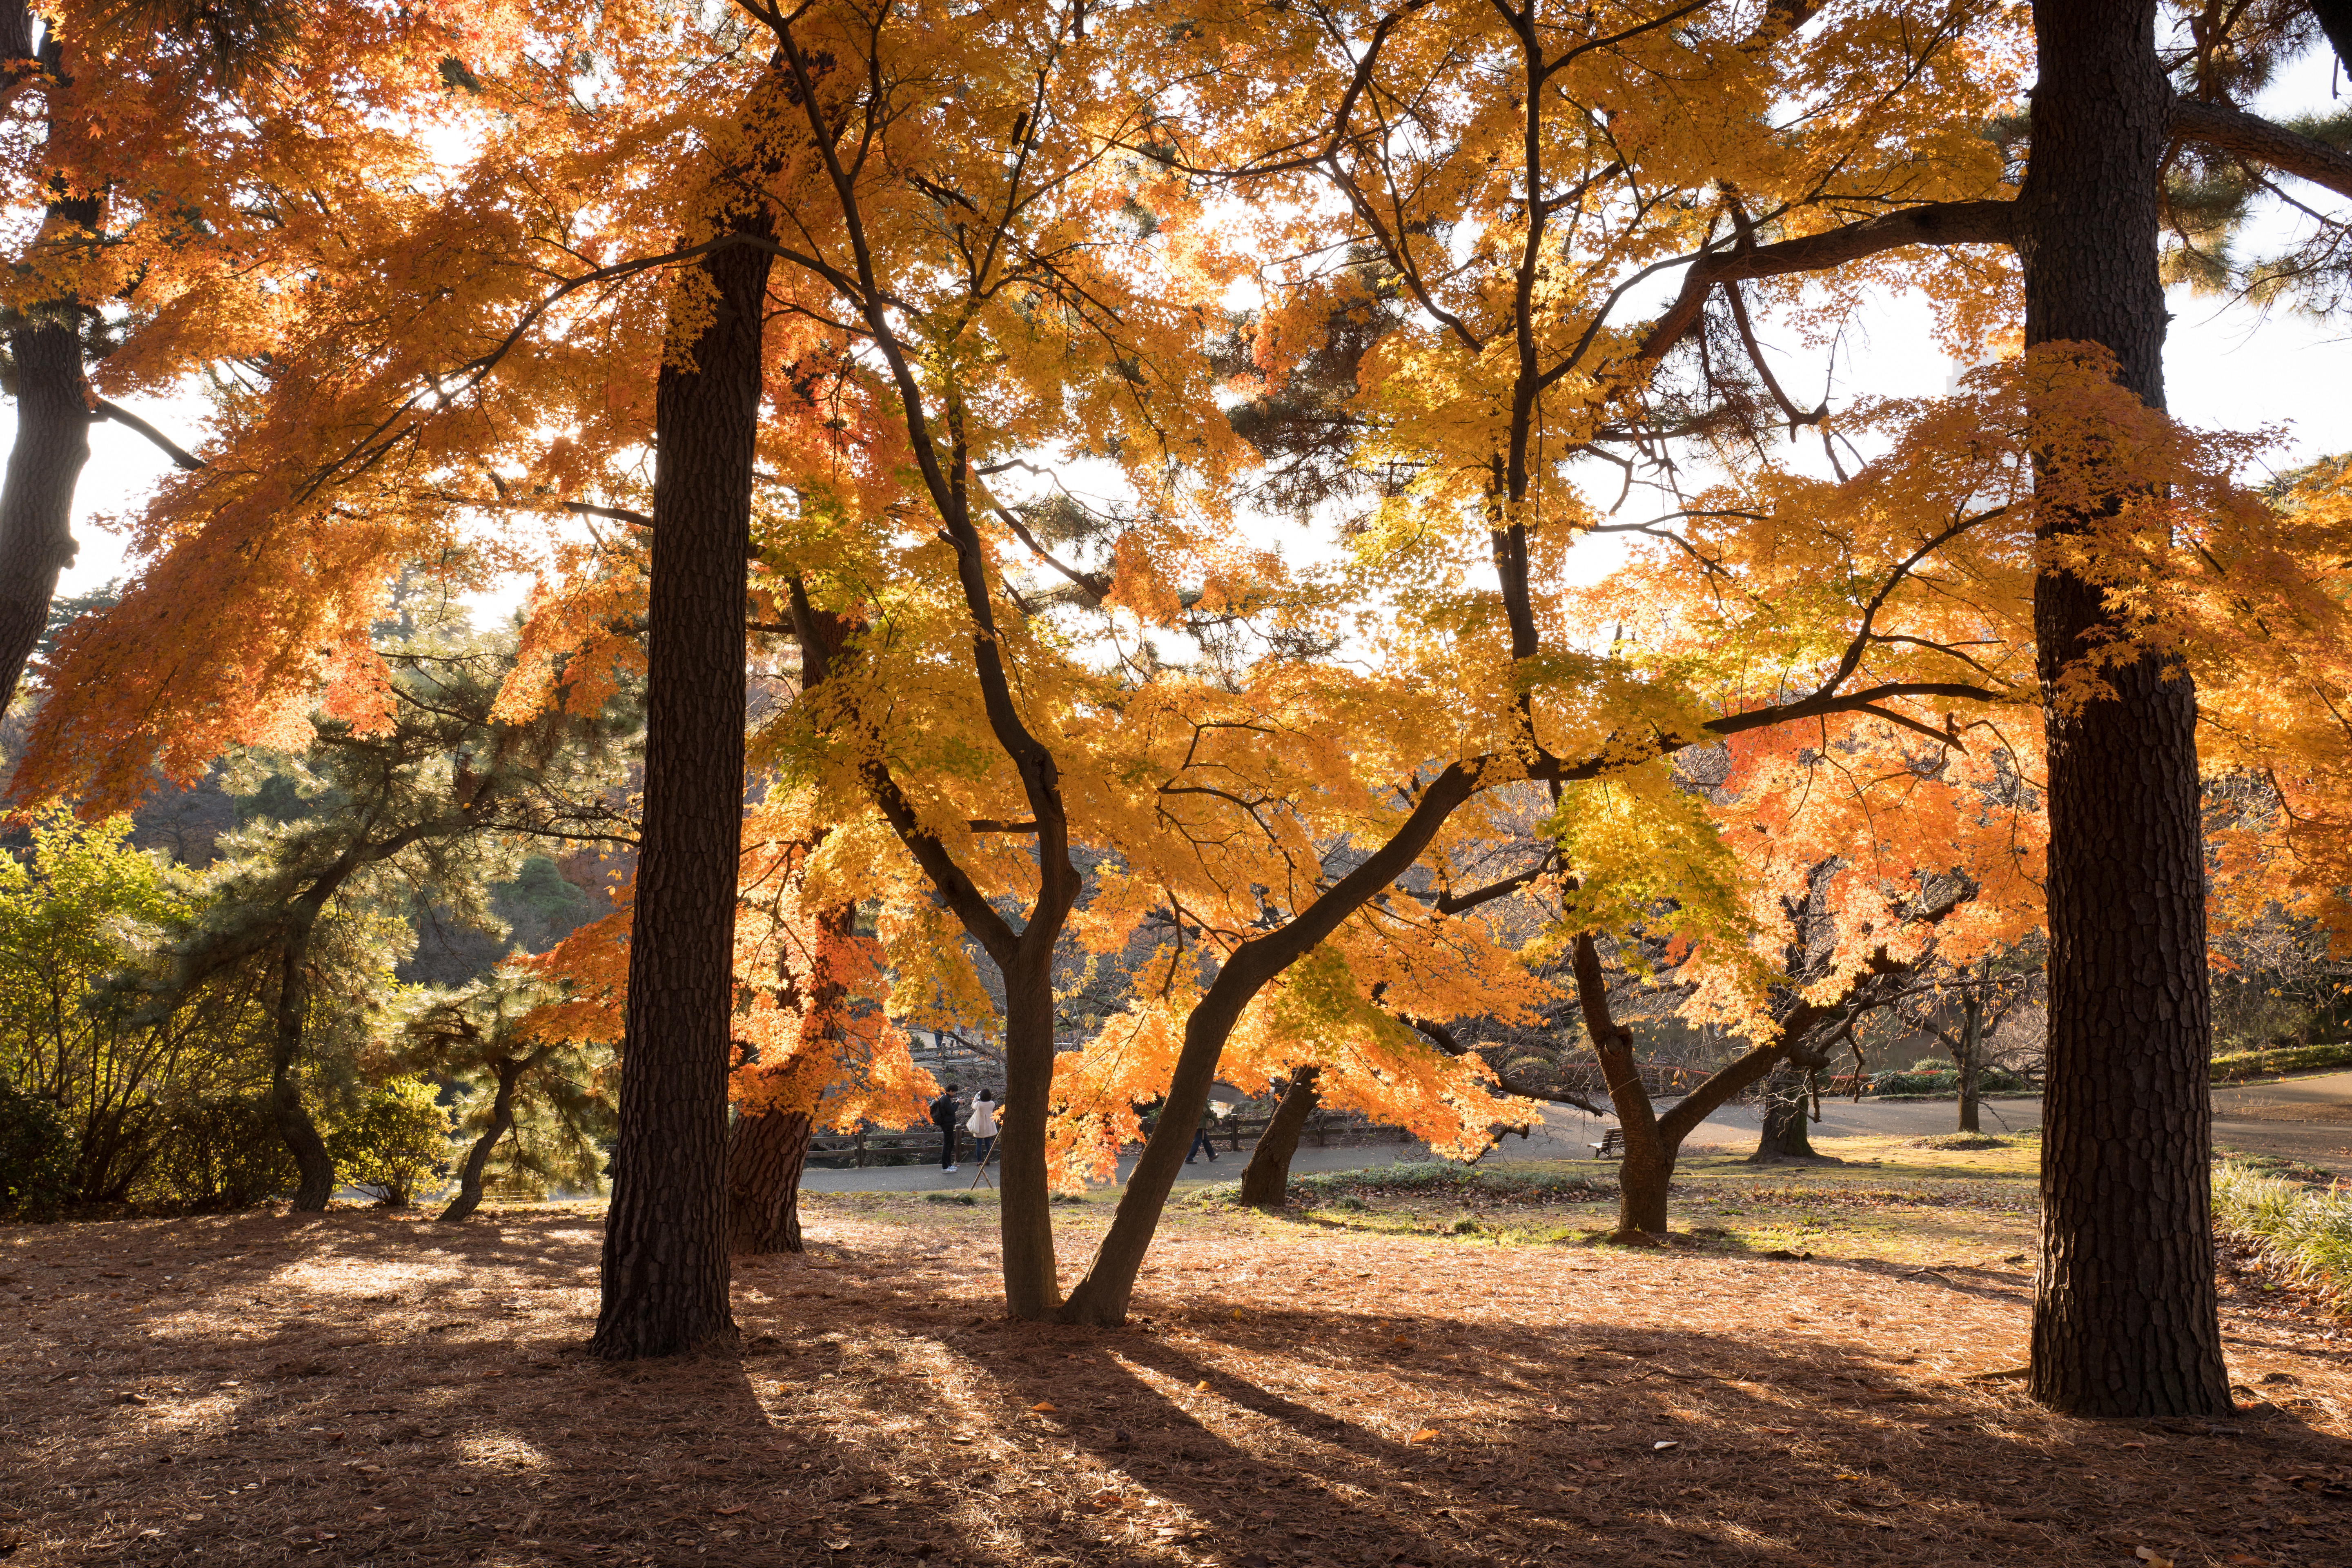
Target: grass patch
(2237, 1066)
(2304, 1228)
(1432, 1178)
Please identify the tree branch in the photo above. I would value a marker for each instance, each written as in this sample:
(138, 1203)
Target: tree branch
(1938, 223)
(2229, 130)
(171, 450)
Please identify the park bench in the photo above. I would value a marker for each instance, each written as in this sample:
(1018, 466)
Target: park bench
(1611, 1146)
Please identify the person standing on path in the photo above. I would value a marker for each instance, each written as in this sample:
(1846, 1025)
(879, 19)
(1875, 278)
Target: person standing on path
(983, 1127)
(943, 1117)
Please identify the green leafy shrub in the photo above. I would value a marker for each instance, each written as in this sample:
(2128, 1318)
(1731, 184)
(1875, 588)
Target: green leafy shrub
(1932, 1076)
(222, 1152)
(36, 1157)
(393, 1142)
(2306, 1230)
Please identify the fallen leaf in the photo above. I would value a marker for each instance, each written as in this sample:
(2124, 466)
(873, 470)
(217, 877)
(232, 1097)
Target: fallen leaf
(732, 1508)
(1426, 1435)
(1202, 1386)
(2153, 1559)
(1043, 1407)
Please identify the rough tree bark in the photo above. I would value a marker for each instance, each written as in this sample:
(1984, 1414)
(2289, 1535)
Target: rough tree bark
(2124, 1319)
(1265, 1180)
(510, 1071)
(1788, 1107)
(766, 1151)
(664, 1272)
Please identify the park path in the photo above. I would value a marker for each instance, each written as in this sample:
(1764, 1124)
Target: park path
(2307, 1119)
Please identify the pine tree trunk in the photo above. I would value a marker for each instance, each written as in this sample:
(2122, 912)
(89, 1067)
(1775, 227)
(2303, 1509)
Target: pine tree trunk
(477, 1158)
(766, 1151)
(293, 1118)
(1265, 1180)
(666, 1237)
(2124, 1319)
(1787, 1135)
(1971, 1040)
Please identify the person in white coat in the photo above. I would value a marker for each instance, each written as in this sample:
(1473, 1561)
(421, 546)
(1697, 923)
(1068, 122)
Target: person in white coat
(981, 1125)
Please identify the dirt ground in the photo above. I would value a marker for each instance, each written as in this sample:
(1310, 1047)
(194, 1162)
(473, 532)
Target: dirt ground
(1371, 1385)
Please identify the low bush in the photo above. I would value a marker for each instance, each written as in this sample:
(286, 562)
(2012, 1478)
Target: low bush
(1943, 1078)
(394, 1141)
(223, 1152)
(2305, 1229)
(36, 1157)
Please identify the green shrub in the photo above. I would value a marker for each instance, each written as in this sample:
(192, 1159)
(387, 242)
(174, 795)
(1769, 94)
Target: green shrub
(2287, 1058)
(2306, 1230)
(36, 1157)
(393, 1142)
(1932, 1076)
(220, 1152)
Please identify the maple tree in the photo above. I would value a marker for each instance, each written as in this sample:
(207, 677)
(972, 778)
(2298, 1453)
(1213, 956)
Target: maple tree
(887, 288)
(180, 178)
(1784, 166)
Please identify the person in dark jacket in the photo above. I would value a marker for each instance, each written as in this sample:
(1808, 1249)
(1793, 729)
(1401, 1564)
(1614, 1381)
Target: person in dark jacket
(1200, 1144)
(944, 1118)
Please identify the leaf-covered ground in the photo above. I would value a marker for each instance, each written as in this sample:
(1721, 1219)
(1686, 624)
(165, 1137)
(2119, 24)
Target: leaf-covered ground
(372, 1388)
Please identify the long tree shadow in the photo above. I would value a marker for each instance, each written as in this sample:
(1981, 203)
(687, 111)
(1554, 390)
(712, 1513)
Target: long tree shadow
(369, 1390)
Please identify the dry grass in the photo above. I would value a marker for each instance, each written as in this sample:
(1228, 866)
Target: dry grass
(366, 1388)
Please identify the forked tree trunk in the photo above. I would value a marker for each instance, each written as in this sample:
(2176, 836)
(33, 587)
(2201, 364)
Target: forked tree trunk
(1265, 1180)
(2125, 1318)
(1787, 1132)
(1971, 1043)
(477, 1158)
(664, 1272)
(766, 1151)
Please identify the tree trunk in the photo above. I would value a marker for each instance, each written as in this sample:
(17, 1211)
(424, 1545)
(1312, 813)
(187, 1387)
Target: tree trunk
(52, 447)
(1645, 1168)
(1971, 1039)
(1033, 1283)
(477, 1158)
(766, 1151)
(1266, 1180)
(53, 412)
(665, 1261)
(1787, 1106)
(286, 1107)
(2124, 1319)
